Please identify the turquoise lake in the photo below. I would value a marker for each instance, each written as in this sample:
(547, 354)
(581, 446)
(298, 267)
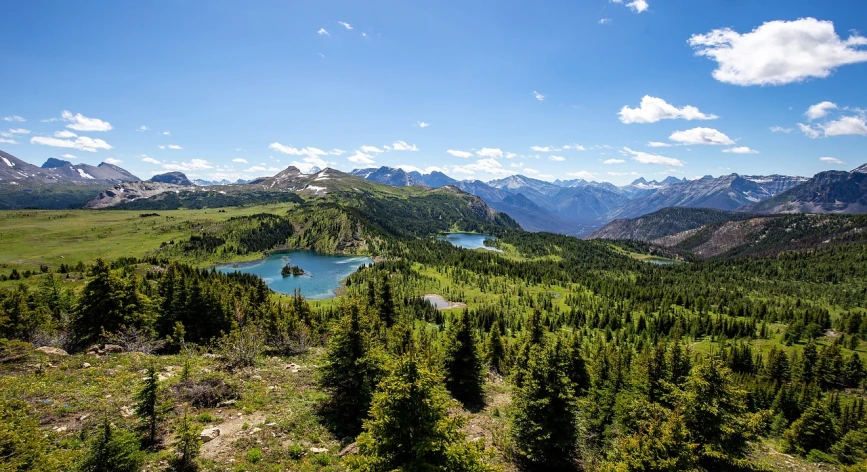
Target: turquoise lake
(469, 240)
(322, 273)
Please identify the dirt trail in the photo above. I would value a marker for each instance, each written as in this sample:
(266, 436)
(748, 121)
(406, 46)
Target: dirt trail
(230, 430)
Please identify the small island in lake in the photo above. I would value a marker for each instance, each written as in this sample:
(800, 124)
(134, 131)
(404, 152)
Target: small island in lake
(288, 270)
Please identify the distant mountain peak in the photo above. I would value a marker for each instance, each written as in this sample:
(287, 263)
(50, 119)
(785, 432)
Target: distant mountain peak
(177, 178)
(639, 181)
(862, 169)
(53, 163)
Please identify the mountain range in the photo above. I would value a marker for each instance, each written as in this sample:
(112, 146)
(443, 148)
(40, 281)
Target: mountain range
(576, 207)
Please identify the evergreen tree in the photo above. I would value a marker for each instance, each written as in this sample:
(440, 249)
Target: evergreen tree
(543, 424)
(410, 429)
(853, 371)
(103, 304)
(464, 376)
(149, 406)
(815, 429)
(112, 450)
(660, 444)
(352, 370)
(385, 303)
(715, 411)
(187, 445)
(495, 354)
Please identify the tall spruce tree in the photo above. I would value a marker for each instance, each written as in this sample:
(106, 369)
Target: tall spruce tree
(352, 370)
(815, 429)
(385, 303)
(543, 425)
(112, 450)
(463, 365)
(495, 354)
(410, 429)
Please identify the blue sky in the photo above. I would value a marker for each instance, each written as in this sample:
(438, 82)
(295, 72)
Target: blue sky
(479, 89)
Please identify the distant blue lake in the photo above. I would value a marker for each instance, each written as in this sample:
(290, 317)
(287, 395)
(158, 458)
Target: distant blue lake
(322, 273)
(469, 240)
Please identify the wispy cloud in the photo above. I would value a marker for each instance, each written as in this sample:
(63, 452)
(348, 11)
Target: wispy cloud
(461, 154)
(113, 161)
(345, 25)
(80, 122)
(780, 129)
(239, 160)
(613, 161)
(538, 96)
(174, 146)
(142, 128)
(322, 32)
(403, 146)
(19, 131)
(557, 158)
(831, 160)
(490, 152)
(647, 158)
(17, 118)
(422, 124)
(741, 150)
(604, 21)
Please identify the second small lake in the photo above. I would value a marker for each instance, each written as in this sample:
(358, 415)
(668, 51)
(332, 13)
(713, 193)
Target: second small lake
(322, 273)
(469, 240)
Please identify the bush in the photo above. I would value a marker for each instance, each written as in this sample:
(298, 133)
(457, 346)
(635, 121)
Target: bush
(22, 444)
(254, 455)
(296, 452)
(113, 450)
(242, 346)
(206, 392)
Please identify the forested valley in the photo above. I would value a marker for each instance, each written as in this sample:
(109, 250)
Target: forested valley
(568, 355)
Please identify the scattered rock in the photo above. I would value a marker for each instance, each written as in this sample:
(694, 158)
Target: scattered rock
(127, 411)
(83, 417)
(226, 403)
(93, 348)
(60, 429)
(161, 376)
(52, 351)
(271, 424)
(255, 430)
(292, 367)
(113, 349)
(256, 377)
(350, 449)
(209, 434)
(209, 355)
(318, 450)
(85, 365)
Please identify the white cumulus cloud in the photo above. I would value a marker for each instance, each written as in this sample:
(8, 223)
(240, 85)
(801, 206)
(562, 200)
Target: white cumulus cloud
(557, 158)
(647, 158)
(846, 125)
(486, 166)
(490, 152)
(780, 129)
(64, 134)
(657, 144)
(113, 161)
(371, 149)
(191, 165)
(142, 128)
(16, 118)
(68, 156)
(696, 136)
(19, 131)
(820, 110)
(779, 52)
(150, 160)
(80, 122)
(174, 146)
(8, 141)
(831, 160)
(292, 151)
(613, 161)
(82, 143)
(322, 32)
(239, 160)
(653, 109)
(544, 149)
(422, 124)
(637, 6)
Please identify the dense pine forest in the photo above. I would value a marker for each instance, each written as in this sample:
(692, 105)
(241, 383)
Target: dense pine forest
(569, 355)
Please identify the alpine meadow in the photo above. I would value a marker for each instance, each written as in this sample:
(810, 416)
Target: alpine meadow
(457, 292)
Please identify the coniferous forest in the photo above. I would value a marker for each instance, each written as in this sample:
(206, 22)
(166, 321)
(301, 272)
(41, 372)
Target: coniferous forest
(563, 355)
